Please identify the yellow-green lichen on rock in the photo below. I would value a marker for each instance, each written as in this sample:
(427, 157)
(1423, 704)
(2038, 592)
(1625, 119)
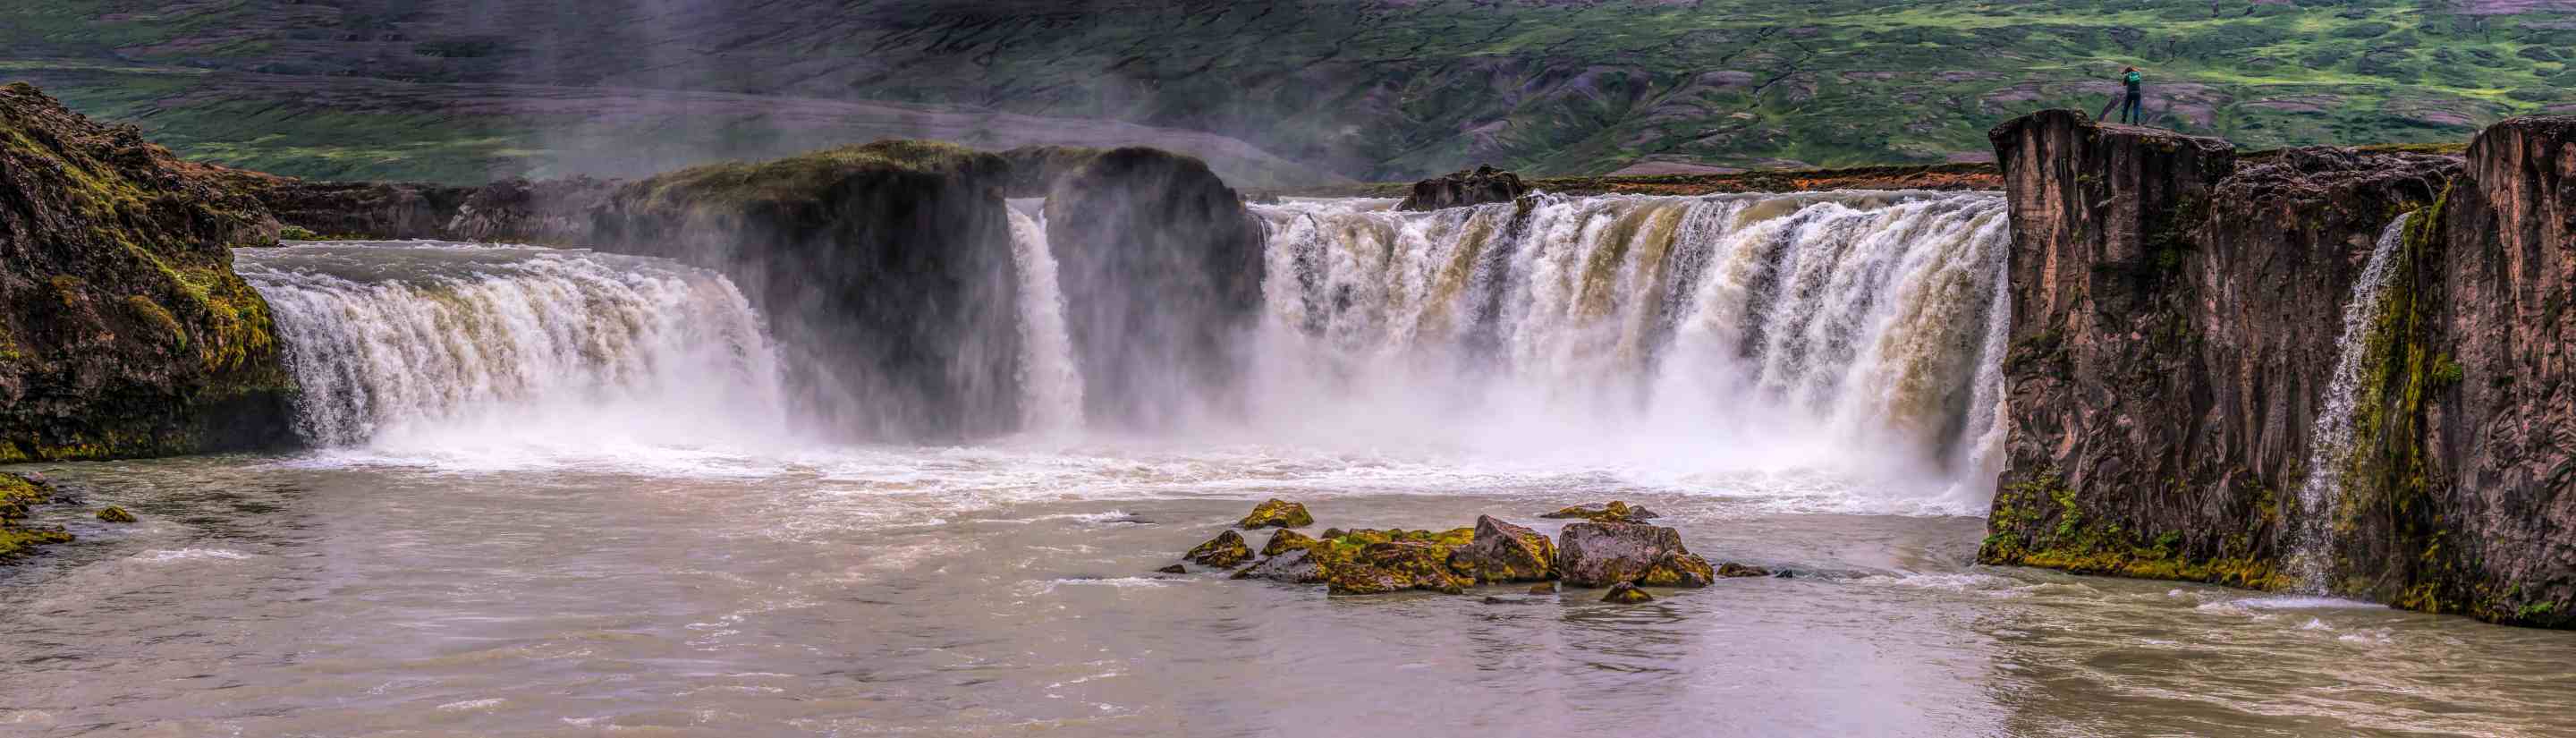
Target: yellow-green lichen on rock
(18, 498)
(1277, 513)
(127, 331)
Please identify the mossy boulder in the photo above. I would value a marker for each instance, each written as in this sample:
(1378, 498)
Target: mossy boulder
(1224, 551)
(1604, 554)
(1503, 552)
(1284, 541)
(1732, 570)
(1610, 512)
(18, 498)
(114, 514)
(1626, 594)
(124, 331)
(1277, 513)
(1173, 569)
(1394, 566)
(1461, 189)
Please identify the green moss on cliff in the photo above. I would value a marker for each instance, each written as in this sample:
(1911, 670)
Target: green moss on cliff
(805, 178)
(2038, 521)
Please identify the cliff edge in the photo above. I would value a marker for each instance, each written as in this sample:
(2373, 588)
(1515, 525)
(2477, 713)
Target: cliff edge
(123, 330)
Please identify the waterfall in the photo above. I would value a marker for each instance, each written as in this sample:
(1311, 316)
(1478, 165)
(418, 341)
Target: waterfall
(1846, 331)
(441, 345)
(1049, 376)
(2330, 437)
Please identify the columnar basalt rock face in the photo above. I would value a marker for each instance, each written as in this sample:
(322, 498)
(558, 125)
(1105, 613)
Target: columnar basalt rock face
(2466, 469)
(123, 330)
(1161, 268)
(886, 271)
(2178, 316)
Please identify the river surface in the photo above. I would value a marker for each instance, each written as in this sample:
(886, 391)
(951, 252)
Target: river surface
(1009, 591)
(557, 492)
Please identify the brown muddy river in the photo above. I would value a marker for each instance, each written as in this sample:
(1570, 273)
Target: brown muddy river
(1009, 591)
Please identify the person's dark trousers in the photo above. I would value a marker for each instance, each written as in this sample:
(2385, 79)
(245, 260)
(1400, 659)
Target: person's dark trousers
(2133, 110)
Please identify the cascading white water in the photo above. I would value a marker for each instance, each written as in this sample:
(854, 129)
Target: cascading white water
(445, 346)
(2330, 437)
(1051, 381)
(1853, 332)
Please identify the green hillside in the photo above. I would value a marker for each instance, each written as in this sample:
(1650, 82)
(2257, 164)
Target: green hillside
(1272, 92)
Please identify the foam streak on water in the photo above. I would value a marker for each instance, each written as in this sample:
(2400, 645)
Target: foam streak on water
(446, 347)
(1851, 332)
(2330, 438)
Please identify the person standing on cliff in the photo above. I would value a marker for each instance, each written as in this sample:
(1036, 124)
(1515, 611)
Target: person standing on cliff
(2133, 109)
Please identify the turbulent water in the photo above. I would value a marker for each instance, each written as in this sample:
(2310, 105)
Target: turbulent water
(1853, 335)
(461, 349)
(2330, 438)
(560, 493)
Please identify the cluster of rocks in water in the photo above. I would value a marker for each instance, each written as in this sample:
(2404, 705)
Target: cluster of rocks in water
(1613, 548)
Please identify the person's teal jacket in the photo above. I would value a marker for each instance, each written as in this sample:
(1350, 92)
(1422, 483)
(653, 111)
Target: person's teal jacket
(2131, 79)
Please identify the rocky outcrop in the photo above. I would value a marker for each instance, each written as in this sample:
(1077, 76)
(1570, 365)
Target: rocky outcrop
(2178, 317)
(18, 497)
(1276, 513)
(1604, 554)
(1503, 552)
(352, 210)
(554, 211)
(1624, 593)
(123, 330)
(1161, 269)
(1224, 551)
(1611, 512)
(886, 272)
(1461, 189)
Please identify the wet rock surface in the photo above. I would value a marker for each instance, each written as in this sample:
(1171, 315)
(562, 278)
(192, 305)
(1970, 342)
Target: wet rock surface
(124, 331)
(1277, 514)
(19, 496)
(1603, 554)
(2178, 318)
(1626, 594)
(1461, 189)
(1607, 512)
(1223, 552)
(1503, 552)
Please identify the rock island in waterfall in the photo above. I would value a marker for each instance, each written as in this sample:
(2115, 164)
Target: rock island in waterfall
(967, 368)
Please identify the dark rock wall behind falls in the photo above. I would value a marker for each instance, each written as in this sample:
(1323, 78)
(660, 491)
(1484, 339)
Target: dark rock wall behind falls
(1161, 268)
(123, 330)
(2178, 314)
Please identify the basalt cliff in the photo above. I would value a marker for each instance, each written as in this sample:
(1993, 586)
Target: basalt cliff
(2178, 327)
(123, 329)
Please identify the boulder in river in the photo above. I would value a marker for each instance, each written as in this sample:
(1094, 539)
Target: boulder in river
(1173, 569)
(1461, 189)
(1277, 513)
(18, 496)
(1603, 554)
(1503, 552)
(1285, 540)
(1223, 552)
(114, 514)
(1294, 566)
(1626, 594)
(1611, 512)
(1394, 566)
(1731, 570)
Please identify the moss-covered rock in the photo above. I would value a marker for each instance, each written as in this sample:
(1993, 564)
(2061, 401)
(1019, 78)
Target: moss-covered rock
(1610, 512)
(18, 498)
(1392, 566)
(1277, 513)
(1285, 540)
(1678, 570)
(1624, 593)
(124, 331)
(114, 514)
(1503, 552)
(1173, 569)
(1732, 570)
(1223, 552)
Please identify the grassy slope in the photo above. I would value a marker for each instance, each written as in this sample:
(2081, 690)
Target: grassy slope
(1374, 90)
